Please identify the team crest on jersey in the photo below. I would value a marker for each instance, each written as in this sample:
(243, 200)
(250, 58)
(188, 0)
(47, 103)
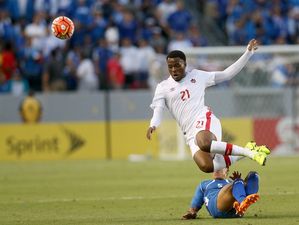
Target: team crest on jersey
(172, 89)
(193, 80)
(220, 185)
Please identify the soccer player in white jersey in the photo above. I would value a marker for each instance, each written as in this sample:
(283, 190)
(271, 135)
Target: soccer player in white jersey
(183, 95)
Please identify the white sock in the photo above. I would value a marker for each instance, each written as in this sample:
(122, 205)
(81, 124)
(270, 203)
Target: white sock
(225, 148)
(224, 161)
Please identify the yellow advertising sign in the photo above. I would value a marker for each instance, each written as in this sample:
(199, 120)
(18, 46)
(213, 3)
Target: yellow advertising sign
(237, 130)
(128, 138)
(49, 141)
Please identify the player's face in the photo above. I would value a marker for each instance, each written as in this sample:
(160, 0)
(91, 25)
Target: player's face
(220, 174)
(176, 68)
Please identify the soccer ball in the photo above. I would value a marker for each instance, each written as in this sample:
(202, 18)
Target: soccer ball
(63, 27)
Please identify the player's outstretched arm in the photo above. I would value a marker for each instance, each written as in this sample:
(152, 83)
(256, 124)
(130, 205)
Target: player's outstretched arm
(252, 45)
(237, 66)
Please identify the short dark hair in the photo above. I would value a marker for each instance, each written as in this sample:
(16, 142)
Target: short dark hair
(176, 54)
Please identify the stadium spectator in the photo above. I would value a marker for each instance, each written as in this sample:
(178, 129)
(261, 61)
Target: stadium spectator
(158, 41)
(8, 60)
(31, 109)
(100, 56)
(99, 25)
(128, 52)
(127, 28)
(284, 74)
(293, 24)
(4, 86)
(21, 9)
(179, 42)
(145, 54)
(32, 65)
(115, 72)
(147, 29)
(87, 78)
(50, 6)
(37, 30)
(18, 86)
(180, 20)
(50, 42)
(7, 32)
(82, 13)
(158, 69)
(183, 95)
(164, 9)
(196, 37)
(225, 198)
(69, 74)
(53, 72)
(112, 37)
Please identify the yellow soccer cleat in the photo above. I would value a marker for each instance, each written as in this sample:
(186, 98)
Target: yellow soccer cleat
(253, 147)
(260, 158)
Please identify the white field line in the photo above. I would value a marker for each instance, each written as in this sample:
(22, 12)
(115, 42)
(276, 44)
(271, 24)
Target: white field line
(124, 198)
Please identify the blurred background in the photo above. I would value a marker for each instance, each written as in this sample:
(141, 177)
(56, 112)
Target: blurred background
(88, 97)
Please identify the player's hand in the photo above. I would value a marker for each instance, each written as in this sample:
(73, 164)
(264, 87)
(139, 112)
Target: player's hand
(149, 132)
(235, 175)
(190, 214)
(252, 45)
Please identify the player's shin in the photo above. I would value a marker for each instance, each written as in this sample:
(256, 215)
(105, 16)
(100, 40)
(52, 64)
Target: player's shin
(224, 161)
(225, 148)
(239, 190)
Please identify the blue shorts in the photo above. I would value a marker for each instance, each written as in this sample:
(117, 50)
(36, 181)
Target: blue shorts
(214, 212)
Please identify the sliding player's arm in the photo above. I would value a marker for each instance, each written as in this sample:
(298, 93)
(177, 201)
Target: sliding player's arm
(196, 203)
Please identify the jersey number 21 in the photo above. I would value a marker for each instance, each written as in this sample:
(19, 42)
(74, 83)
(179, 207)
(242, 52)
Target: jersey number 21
(185, 94)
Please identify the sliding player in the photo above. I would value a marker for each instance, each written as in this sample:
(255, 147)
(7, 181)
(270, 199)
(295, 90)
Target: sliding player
(224, 198)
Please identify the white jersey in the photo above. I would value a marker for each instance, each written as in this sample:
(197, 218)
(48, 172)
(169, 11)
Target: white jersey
(184, 99)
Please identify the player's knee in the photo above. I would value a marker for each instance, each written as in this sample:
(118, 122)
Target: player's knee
(204, 161)
(206, 167)
(204, 144)
(251, 174)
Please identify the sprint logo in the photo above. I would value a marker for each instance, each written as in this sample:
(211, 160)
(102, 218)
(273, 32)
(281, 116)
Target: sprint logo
(76, 142)
(45, 144)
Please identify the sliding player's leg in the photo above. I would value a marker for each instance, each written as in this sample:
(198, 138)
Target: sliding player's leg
(251, 183)
(243, 201)
(225, 199)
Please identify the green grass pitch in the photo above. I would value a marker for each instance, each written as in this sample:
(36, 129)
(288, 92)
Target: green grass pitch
(121, 192)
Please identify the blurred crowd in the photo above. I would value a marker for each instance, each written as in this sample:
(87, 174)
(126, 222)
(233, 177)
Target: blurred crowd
(271, 22)
(121, 44)
(274, 22)
(114, 44)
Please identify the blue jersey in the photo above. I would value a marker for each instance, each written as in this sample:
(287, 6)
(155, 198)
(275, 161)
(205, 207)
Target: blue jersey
(206, 193)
